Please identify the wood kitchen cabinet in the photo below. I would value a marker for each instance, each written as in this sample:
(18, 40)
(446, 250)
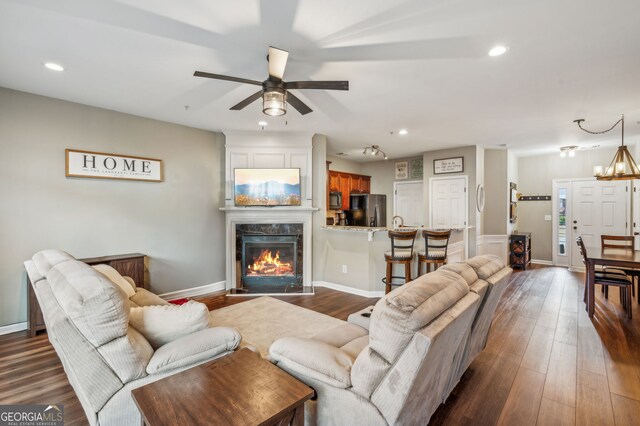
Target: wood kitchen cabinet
(345, 188)
(348, 183)
(334, 181)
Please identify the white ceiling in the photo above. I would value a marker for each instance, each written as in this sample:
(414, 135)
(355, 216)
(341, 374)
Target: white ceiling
(420, 65)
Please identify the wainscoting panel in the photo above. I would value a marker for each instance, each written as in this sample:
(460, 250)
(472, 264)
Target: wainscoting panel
(494, 244)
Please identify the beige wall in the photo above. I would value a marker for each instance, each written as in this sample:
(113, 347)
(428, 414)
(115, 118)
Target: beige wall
(176, 222)
(535, 177)
(496, 189)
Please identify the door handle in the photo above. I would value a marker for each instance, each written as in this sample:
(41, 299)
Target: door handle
(636, 233)
(575, 221)
(575, 227)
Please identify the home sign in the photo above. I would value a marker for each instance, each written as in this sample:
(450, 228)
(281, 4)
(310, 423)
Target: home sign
(98, 165)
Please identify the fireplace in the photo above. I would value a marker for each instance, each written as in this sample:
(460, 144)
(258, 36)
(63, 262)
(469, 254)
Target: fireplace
(269, 258)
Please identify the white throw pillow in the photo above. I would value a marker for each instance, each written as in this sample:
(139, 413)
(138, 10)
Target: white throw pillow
(115, 277)
(161, 324)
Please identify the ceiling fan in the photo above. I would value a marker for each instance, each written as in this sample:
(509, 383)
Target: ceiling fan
(275, 92)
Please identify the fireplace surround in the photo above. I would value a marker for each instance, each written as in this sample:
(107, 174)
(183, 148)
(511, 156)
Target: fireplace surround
(269, 258)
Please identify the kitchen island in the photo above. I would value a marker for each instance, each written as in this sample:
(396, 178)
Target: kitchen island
(353, 256)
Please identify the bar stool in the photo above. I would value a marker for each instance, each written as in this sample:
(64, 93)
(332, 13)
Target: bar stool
(435, 250)
(401, 253)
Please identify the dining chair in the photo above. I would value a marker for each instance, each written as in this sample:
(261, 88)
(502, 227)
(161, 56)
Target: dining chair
(606, 278)
(621, 242)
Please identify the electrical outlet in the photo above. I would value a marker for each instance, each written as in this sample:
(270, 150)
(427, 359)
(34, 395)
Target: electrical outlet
(344, 269)
(547, 217)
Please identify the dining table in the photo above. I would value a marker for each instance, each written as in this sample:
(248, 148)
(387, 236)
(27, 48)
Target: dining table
(610, 257)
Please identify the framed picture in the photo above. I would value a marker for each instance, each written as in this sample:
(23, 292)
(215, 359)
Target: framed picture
(99, 165)
(448, 165)
(402, 169)
(416, 169)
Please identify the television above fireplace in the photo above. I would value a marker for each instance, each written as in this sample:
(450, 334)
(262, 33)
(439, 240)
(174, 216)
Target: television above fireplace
(266, 187)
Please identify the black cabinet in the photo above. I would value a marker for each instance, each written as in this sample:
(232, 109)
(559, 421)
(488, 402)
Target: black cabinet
(520, 250)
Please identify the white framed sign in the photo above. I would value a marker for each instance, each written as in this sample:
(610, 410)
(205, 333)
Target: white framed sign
(448, 165)
(99, 165)
(402, 169)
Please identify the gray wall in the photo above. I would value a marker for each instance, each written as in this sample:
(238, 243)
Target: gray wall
(342, 164)
(535, 177)
(383, 176)
(496, 189)
(176, 222)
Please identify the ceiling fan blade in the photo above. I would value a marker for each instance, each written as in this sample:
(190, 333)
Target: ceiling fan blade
(298, 104)
(247, 101)
(226, 77)
(277, 62)
(323, 85)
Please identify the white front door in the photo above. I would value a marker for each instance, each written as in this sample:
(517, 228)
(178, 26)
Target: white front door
(407, 203)
(597, 208)
(448, 202)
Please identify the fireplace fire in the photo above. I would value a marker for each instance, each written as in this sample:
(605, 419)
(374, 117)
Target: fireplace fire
(268, 264)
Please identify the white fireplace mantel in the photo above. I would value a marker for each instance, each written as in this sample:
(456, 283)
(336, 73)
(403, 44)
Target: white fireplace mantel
(266, 149)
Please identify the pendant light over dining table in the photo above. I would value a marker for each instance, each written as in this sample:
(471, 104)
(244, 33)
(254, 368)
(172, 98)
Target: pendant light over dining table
(622, 167)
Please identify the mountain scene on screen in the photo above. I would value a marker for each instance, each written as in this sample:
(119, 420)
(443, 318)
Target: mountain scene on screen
(269, 193)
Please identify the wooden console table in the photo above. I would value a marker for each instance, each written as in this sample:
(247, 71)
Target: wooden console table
(130, 265)
(239, 389)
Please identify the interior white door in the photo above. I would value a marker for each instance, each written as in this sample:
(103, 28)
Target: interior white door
(597, 208)
(448, 202)
(407, 203)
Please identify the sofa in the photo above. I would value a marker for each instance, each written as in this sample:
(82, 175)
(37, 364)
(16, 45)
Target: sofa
(104, 357)
(397, 366)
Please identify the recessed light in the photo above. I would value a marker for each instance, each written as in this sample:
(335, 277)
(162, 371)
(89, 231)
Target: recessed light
(53, 66)
(262, 123)
(498, 50)
(402, 132)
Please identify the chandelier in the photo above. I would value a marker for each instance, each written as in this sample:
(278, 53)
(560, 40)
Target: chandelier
(374, 150)
(622, 167)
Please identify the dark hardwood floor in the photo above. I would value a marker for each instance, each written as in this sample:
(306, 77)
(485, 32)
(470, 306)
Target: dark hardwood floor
(546, 361)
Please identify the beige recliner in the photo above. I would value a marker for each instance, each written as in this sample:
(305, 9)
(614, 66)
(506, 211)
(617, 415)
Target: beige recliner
(87, 319)
(397, 367)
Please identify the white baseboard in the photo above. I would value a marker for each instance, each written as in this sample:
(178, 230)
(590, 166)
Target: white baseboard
(195, 291)
(347, 289)
(12, 328)
(542, 262)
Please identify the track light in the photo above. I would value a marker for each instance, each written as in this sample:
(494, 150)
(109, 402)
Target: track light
(374, 150)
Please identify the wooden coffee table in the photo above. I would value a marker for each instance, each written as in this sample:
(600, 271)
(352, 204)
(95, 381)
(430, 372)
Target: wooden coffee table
(238, 389)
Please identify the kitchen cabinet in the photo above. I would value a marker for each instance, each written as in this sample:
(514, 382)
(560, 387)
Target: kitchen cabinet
(345, 188)
(334, 181)
(348, 183)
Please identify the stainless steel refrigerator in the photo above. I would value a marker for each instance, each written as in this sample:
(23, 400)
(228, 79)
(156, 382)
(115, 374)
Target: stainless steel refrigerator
(367, 210)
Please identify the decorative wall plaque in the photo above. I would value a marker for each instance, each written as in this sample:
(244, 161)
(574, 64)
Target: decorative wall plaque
(448, 165)
(98, 165)
(416, 169)
(402, 170)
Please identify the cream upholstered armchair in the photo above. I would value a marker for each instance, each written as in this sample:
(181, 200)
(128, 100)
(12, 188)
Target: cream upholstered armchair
(104, 357)
(398, 366)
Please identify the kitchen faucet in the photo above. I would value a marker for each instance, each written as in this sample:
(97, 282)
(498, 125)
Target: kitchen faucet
(394, 221)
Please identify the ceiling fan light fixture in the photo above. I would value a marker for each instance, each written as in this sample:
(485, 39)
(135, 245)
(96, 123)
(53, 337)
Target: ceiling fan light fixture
(274, 102)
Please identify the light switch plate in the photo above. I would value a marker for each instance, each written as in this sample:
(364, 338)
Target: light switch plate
(547, 217)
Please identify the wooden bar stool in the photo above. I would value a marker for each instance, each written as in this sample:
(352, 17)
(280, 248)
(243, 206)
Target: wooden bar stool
(435, 250)
(401, 253)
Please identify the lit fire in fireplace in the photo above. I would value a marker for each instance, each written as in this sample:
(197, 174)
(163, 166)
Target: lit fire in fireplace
(267, 264)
